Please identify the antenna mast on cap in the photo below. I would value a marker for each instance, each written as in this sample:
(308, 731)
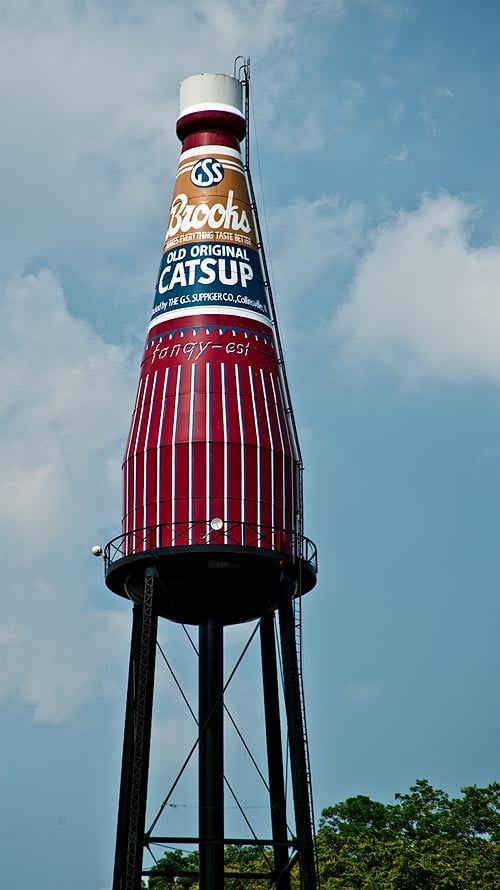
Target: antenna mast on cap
(242, 73)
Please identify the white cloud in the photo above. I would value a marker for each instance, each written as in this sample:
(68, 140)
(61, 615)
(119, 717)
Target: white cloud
(424, 301)
(403, 154)
(83, 161)
(436, 108)
(392, 10)
(398, 157)
(397, 110)
(84, 142)
(444, 92)
(65, 399)
(61, 393)
(259, 26)
(314, 235)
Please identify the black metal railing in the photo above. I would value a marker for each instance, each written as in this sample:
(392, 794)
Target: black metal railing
(201, 532)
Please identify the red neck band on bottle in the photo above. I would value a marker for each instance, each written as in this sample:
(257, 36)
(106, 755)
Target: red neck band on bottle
(210, 127)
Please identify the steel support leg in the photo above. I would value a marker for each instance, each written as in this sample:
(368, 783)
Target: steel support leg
(136, 740)
(297, 738)
(274, 752)
(211, 756)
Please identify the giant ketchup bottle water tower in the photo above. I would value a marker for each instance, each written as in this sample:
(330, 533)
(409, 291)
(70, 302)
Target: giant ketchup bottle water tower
(212, 474)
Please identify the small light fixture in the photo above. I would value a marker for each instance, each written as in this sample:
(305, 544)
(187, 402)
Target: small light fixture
(216, 524)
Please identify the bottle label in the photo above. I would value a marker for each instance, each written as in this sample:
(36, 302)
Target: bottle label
(211, 261)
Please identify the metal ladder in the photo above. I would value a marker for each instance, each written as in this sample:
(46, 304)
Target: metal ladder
(297, 609)
(244, 70)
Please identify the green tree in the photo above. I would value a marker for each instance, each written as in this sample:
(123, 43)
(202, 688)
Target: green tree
(249, 859)
(425, 841)
(174, 863)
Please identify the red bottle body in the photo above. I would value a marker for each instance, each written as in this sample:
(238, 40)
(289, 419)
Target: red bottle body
(211, 456)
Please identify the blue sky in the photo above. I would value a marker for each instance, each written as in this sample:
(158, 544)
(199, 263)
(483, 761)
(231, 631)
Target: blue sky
(376, 126)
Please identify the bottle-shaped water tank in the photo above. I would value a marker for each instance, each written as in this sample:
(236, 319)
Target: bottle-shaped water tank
(211, 470)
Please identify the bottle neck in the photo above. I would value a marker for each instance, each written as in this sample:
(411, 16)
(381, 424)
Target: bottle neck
(211, 137)
(210, 127)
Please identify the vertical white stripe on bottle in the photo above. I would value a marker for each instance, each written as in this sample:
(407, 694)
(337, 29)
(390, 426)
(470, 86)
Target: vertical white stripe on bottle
(134, 487)
(146, 523)
(257, 436)
(190, 452)
(224, 427)
(158, 459)
(292, 451)
(174, 437)
(242, 452)
(278, 418)
(133, 427)
(207, 450)
(271, 453)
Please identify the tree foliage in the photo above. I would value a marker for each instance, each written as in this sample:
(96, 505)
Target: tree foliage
(423, 841)
(236, 859)
(175, 862)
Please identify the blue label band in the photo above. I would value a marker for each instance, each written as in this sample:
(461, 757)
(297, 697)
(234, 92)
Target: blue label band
(207, 273)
